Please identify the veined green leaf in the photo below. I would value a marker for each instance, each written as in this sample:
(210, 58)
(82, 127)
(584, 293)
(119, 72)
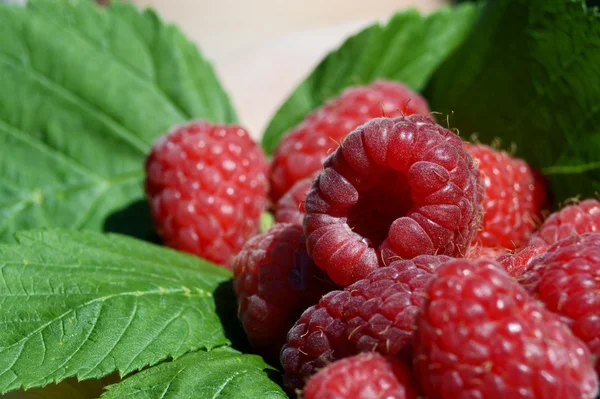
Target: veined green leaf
(87, 304)
(220, 373)
(530, 74)
(408, 49)
(84, 91)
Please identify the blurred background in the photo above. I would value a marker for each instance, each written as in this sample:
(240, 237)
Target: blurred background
(263, 48)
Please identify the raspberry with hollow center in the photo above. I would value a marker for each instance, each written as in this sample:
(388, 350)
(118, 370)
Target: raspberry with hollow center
(290, 207)
(373, 314)
(364, 376)
(275, 281)
(395, 189)
(207, 187)
(567, 280)
(302, 150)
(580, 218)
(514, 198)
(480, 335)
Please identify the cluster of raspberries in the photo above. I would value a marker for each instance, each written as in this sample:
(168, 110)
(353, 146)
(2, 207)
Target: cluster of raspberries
(403, 263)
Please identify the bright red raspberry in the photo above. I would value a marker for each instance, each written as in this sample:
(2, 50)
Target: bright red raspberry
(290, 207)
(567, 280)
(275, 281)
(580, 218)
(517, 263)
(395, 189)
(480, 335)
(364, 376)
(514, 200)
(374, 314)
(207, 187)
(301, 152)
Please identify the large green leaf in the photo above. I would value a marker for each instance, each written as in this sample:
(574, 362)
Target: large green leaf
(83, 93)
(86, 304)
(408, 49)
(530, 74)
(220, 373)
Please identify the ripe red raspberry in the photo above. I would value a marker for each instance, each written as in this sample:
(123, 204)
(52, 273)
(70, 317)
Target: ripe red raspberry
(374, 314)
(207, 187)
(517, 263)
(567, 280)
(364, 376)
(480, 335)
(395, 189)
(514, 199)
(290, 207)
(275, 281)
(573, 219)
(301, 152)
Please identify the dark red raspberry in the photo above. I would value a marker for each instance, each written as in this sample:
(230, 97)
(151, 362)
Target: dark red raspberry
(514, 200)
(301, 152)
(275, 281)
(290, 207)
(517, 263)
(374, 314)
(364, 376)
(480, 335)
(580, 218)
(207, 187)
(395, 189)
(567, 280)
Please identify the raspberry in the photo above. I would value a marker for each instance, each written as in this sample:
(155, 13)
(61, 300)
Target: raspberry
(573, 219)
(374, 314)
(514, 199)
(480, 335)
(302, 150)
(517, 264)
(207, 188)
(275, 281)
(567, 280)
(395, 189)
(364, 376)
(290, 207)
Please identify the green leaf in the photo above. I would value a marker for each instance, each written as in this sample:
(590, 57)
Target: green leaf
(408, 49)
(86, 304)
(220, 373)
(84, 92)
(530, 74)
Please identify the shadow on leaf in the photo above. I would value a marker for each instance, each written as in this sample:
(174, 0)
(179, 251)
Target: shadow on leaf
(226, 307)
(134, 220)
